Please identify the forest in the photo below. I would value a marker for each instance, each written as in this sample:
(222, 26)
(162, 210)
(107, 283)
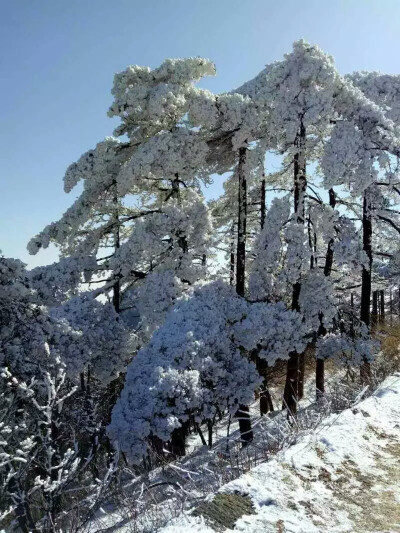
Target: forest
(169, 314)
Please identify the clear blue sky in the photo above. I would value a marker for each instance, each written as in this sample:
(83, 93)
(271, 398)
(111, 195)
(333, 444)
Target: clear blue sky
(58, 59)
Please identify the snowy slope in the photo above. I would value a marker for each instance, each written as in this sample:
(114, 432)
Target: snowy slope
(344, 477)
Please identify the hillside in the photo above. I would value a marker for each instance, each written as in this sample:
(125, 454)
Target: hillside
(343, 477)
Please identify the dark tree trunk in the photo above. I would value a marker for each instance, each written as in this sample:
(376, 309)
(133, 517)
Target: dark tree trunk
(246, 432)
(117, 243)
(382, 306)
(291, 391)
(232, 259)
(178, 441)
(374, 314)
(329, 253)
(263, 204)
(82, 378)
(117, 296)
(320, 365)
(266, 404)
(232, 269)
(242, 223)
(365, 313)
(157, 445)
(320, 378)
(176, 193)
(203, 440)
(302, 372)
(210, 433)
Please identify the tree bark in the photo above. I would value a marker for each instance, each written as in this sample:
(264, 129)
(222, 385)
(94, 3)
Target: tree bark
(263, 204)
(242, 223)
(374, 314)
(320, 364)
(365, 312)
(266, 404)
(117, 243)
(178, 441)
(382, 305)
(320, 378)
(291, 391)
(210, 433)
(246, 432)
(232, 259)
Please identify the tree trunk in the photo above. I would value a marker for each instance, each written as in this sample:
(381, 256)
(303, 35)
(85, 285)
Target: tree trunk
(374, 314)
(210, 433)
(365, 312)
(320, 365)
(266, 404)
(382, 307)
(117, 243)
(246, 432)
(320, 378)
(178, 441)
(232, 259)
(302, 372)
(291, 391)
(82, 379)
(242, 223)
(329, 253)
(391, 306)
(263, 204)
(352, 332)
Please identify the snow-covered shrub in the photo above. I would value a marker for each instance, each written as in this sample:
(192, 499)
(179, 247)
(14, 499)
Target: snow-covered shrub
(191, 367)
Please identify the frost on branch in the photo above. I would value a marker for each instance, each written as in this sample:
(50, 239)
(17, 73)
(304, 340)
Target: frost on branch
(97, 337)
(348, 350)
(25, 327)
(167, 156)
(149, 101)
(297, 252)
(317, 302)
(273, 330)
(383, 89)
(97, 168)
(348, 245)
(268, 251)
(59, 281)
(302, 84)
(38, 459)
(154, 299)
(175, 238)
(348, 158)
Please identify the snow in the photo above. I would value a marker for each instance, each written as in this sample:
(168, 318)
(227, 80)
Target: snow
(314, 486)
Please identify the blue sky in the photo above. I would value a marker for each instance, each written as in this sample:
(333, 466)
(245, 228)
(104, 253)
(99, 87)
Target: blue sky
(58, 59)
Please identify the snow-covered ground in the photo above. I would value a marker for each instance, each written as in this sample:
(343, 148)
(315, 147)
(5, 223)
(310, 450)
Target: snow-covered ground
(343, 477)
